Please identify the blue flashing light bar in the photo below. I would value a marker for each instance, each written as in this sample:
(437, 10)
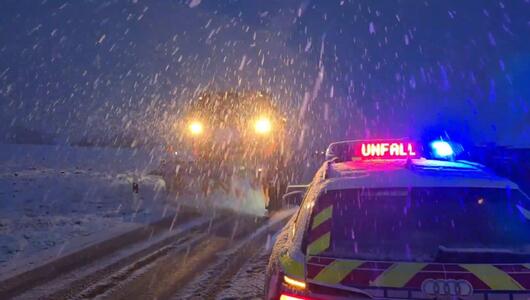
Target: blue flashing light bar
(442, 149)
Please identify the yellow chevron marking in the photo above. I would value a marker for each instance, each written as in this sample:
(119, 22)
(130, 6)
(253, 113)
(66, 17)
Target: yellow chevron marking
(493, 277)
(398, 275)
(320, 245)
(335, 272)
(322, 216)
(291, 266)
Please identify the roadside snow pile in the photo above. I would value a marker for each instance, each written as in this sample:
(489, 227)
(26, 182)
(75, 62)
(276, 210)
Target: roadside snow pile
(242, 197)
(53, 196)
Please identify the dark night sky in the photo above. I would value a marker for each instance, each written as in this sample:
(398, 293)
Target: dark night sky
(361, 68)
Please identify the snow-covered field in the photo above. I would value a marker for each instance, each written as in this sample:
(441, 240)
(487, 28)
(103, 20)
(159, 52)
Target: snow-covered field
(55, 199)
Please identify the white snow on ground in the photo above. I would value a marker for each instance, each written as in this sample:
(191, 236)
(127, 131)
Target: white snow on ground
(55, 199)
(249, 281)
(20, 157)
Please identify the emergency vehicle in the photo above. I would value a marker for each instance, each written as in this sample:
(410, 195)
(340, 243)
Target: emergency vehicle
(379, 220)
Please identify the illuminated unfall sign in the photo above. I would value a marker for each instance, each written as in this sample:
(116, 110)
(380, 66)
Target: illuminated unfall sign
(387, 150)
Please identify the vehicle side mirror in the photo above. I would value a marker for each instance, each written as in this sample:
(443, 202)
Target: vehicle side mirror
(293, 198)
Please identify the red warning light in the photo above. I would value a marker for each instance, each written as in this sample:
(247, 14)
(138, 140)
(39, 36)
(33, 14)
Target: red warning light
(386, 150)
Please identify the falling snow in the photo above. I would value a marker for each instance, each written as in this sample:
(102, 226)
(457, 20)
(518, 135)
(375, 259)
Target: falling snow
(132, 77)
(194, 3)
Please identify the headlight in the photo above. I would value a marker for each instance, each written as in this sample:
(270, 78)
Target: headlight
(263, 126)
(196, 128)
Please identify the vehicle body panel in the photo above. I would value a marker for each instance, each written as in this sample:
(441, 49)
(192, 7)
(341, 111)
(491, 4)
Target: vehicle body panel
(342, 278)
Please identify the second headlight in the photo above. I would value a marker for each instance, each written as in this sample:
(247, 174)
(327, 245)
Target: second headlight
(195, 128)
(263, 125)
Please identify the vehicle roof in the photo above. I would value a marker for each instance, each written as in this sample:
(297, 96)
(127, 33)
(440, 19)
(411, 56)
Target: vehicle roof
(410, 173)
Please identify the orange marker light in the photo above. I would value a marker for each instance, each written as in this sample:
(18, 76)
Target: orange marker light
(294, 283)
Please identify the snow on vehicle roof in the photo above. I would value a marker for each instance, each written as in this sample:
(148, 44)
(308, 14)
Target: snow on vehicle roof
(411, 173)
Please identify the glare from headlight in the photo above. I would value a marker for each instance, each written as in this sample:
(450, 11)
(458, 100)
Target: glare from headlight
(196, 128)
(263, 126)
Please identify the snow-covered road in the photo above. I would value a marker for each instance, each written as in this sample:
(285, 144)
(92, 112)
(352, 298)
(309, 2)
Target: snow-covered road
(238, 272)
(56, 201)
(204, 257)
(249, 281)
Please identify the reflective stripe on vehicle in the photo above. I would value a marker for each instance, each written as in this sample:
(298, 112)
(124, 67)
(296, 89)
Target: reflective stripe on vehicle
(398, 275)
(322, 216)
(320, 245)
(319, 237)
(370, 274)
(495, 278)
(337, 271)
(291, 266)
